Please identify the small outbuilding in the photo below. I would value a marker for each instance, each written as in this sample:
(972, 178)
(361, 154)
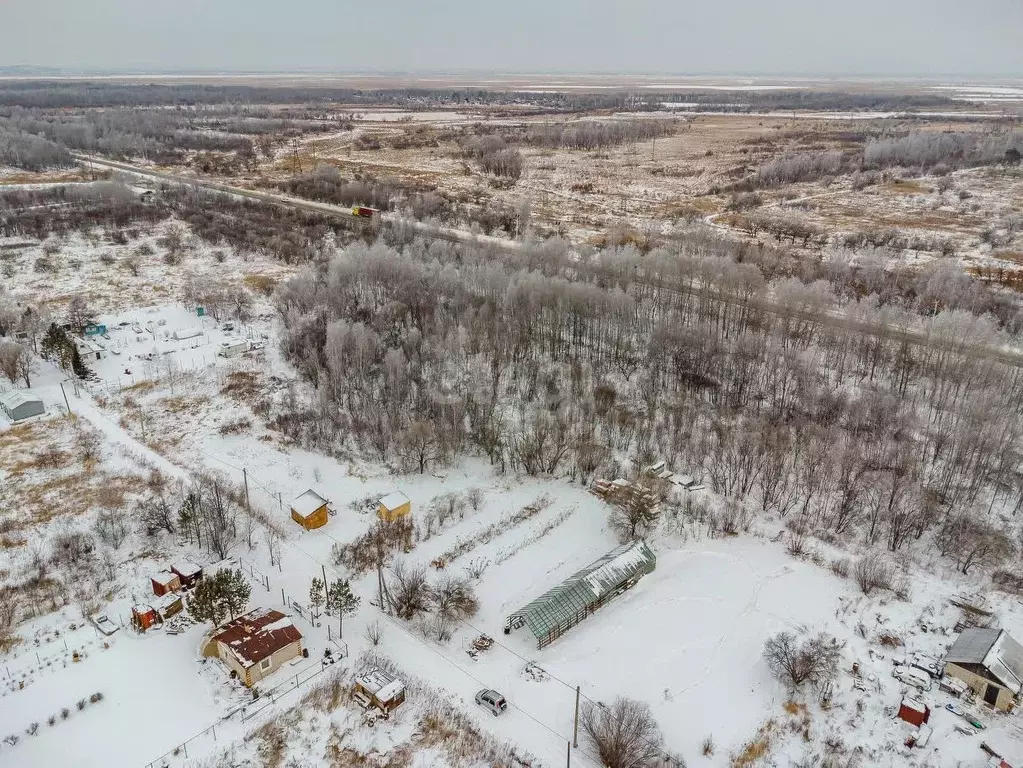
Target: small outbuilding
(394, 505)
(990, 662)
(165, 582)
(233, 347)
(380, 689)
(18, 405)
(90, 350)
(187, 333)
(914, 711)
(256, 644)
(144, 617)
(309, 510)
(188, 573)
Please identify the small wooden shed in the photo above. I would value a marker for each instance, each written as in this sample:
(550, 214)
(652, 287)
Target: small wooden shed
(394, 505)
(165, 582)
(143, 617)
(914, 711)
(309, 510)
(188, 573)
(377, 688)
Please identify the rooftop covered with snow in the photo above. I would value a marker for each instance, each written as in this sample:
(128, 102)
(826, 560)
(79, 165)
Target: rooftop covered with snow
(16, 397)
(307, 503)
(394, 500)
(1000, 656)
(383, 685)
(257, 635)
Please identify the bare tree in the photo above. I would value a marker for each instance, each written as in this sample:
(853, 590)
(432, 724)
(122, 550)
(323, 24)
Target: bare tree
(79, 314)
(410, 592)
(156, 514)
(112, 527)
(17, 362)
(133, 263)
(420, 446)
(635, 513)
(273, 540)
(624, 734)
(455, 599)
(814, 660)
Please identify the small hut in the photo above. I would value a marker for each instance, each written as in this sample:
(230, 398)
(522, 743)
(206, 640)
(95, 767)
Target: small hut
(144, 617)
(377, 688)
(309, 510)
(165, 582)
(188, 573)
(914, 711)
(394, 505)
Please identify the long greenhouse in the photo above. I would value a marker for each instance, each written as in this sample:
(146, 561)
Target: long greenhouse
(561, 608)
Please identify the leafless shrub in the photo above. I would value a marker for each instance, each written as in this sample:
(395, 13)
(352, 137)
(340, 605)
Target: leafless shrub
(72, 548)
(112, 527)
(624, 734)
(707, 748)
(474, 496)
(374, 632)
(814, 660)
(840, 567)
(476, 568)
(797, 541)
(872, 571)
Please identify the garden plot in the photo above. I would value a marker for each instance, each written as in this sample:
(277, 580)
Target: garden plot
(152, 342)
(152, 698)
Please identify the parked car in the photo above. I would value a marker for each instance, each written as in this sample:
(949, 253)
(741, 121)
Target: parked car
(912, 676)
(492, 700)
(227, 327)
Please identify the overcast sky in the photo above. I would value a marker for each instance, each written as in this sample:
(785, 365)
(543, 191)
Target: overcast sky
(670, 36)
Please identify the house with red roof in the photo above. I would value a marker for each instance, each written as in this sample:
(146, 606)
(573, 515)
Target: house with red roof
(256, 644)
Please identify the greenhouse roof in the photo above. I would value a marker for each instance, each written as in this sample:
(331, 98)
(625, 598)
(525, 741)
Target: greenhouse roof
(557, 607)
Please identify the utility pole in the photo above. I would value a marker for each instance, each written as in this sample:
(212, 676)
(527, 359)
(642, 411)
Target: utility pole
(568, 754)
(66, 404)
(575, 728)
(245, 477)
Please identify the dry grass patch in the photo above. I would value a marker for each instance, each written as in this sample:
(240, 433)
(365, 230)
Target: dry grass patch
(263, 284)
(146, 385)
(183, 403)
(242, 385)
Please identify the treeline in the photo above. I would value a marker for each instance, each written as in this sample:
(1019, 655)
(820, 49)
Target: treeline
(158, 135)
(928, 149)
(92, 94)
(918, 151)
(549, 361)
(32, 153)
(62, 210)
(593, 134)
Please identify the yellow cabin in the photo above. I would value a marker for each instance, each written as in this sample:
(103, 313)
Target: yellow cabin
(393, 506)
(309, 510)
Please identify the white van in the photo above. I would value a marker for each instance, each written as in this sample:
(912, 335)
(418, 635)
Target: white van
(912, 676)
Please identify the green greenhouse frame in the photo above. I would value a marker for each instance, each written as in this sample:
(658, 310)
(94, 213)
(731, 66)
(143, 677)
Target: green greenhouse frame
(581, 594)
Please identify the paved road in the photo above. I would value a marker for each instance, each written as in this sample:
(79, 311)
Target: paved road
(1008, 356)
